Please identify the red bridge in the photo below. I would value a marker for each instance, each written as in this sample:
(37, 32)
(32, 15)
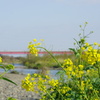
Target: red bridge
(41, 52)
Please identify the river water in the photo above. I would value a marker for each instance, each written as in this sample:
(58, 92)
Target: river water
(20, 68)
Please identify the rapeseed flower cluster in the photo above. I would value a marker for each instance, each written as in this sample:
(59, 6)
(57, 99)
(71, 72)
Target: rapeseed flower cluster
(33, 47)
(35, 80)
(91, 55)
(72, 70)
(44, 85)
(79, 79)
(53, 82)
(28, 83)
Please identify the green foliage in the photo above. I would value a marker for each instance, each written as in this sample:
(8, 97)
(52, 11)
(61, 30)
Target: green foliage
(6, 69)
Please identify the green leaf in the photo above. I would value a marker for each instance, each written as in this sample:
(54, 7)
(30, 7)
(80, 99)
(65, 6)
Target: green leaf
(72, 49)
(6, 79)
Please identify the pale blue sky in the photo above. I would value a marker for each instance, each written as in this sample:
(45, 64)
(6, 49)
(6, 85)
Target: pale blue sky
(55, 21)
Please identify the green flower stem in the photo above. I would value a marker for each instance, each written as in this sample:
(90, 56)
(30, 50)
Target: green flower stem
(96, 94)
(51, 55)
(86, 96)
(2, 74)
(99, 71)
(48, 94)
(61, 95)
(53, 98)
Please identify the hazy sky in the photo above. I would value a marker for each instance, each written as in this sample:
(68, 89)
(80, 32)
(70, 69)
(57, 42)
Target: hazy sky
(55, 21)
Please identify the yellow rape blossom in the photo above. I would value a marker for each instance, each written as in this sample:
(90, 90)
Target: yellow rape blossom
(83, 48)
(81, 67)
(35, 75)
(33, 47)
(67, 62)
(0, 59)
(53, 82)
(28, 83)
(95, 43)
(64, 89)
(34, 40)
(91, 55)
(86, 44)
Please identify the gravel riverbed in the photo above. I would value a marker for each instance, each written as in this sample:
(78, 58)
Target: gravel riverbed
(8, 89)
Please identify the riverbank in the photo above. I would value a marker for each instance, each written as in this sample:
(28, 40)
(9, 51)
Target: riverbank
(8, 89)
